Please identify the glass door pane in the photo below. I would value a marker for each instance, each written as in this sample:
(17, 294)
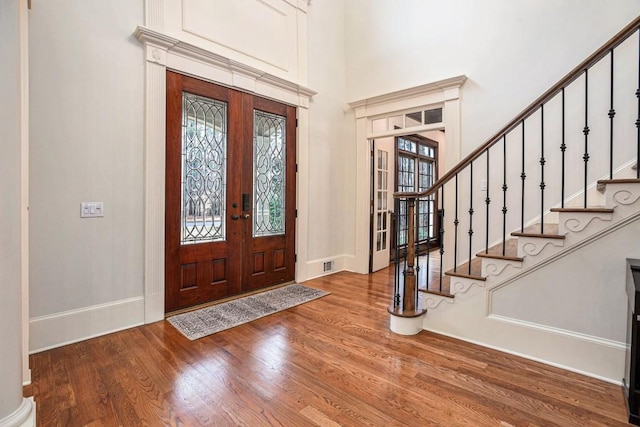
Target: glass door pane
(204, 165)
(269, 168)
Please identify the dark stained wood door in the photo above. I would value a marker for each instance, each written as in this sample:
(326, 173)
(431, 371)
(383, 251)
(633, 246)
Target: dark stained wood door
(269, 165)
(230, 192)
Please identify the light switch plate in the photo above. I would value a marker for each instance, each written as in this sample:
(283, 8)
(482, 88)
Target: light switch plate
(91, 209)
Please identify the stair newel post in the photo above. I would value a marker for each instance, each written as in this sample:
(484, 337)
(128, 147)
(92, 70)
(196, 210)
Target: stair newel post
(585, 157)
(407, 315)
(542, 163)
(410, 294)
(612, 113)
(504, 194)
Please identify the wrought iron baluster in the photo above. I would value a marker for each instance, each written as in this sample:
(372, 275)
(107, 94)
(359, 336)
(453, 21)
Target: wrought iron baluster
(470, 212)
(456, 222)
(441, 223)
(563, 148)
(542, 162)
(504, 194)
(487, 201)
(612, 114)
(585, 157)
(396, 290)
(638, 119)
(523, 177)
(428, 242)
(420, 224)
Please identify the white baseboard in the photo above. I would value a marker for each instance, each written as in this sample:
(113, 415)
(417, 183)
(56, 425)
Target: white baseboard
(563, 332)
(530, 357)
(315, 268)
(24, 416)
(59, 329)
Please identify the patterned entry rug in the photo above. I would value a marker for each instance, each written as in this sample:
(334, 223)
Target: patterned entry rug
(206, 321)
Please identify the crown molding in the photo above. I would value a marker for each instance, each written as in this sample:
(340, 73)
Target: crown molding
(171, 45)
(444, 86)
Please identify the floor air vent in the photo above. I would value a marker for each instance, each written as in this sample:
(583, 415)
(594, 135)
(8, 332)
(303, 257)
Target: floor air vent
(328, 266)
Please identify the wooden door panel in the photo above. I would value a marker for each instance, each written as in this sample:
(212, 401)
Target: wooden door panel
(269, 260)
(200, 271)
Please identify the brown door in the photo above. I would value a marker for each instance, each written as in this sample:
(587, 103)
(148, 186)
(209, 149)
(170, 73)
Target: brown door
(230, 192)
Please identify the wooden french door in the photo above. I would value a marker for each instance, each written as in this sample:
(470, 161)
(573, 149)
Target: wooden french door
(230, 192)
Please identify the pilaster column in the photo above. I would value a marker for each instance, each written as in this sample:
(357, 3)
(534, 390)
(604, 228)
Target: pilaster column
(14, 409)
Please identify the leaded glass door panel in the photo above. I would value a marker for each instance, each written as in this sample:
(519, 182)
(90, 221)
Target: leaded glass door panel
(230, 192)
(270, 166)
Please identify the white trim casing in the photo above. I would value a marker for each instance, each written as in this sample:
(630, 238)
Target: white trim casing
(446, 93)
(24, 185)
(164, 52)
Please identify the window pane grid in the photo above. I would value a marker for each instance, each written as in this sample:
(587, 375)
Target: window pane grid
(409, 181)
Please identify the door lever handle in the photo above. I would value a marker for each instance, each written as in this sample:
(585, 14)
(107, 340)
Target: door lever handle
(235, 217)
(246, 216)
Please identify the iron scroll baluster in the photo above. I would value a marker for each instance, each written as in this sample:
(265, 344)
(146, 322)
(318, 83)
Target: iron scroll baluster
(585, 157)
(542, 162)
(504, 194)
(487, 201)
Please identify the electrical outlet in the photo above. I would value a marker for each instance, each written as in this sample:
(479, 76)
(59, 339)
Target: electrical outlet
(483, 185)
(91, 209)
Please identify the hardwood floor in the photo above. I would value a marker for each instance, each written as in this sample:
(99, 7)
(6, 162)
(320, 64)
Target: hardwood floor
(330, 362)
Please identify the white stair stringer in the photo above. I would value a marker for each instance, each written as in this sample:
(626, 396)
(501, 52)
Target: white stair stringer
(533, 246)
(621, 196)
(589, 222)
(497, 266)
(470, 316)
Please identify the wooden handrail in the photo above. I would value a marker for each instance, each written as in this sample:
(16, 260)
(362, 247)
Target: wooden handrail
(625, 33)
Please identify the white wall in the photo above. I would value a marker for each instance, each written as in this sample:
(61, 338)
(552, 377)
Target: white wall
(331, 152)
(590, 301)
(511, 51)
(86, 75)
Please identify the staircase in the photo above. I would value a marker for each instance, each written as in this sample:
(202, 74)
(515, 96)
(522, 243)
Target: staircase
(529, 248)
(536, 223)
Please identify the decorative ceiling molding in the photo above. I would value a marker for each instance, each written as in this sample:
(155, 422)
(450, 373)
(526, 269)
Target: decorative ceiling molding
(175, 46)
(444, 86)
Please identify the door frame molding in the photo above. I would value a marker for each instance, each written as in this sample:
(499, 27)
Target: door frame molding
(164, 52)
(445, 93)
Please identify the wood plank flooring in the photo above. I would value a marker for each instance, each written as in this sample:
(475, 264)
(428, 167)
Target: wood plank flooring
(330, 362)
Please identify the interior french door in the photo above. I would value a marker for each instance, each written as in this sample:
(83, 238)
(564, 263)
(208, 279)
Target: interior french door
(230, 192)
(383, 185)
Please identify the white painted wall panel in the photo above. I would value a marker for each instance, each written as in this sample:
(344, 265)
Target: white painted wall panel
(260, 33)
(86, 75)
(331, 160)
(567, 295)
